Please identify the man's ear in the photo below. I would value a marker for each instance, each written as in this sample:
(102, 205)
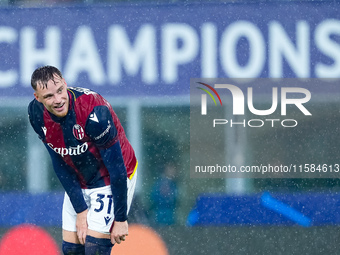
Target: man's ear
(36, 96)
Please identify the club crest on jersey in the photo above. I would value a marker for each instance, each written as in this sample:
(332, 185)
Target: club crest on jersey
(78, 132)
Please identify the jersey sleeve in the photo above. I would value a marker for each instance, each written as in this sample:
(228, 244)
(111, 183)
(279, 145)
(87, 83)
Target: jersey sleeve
(100, 127)
(69, 181)
(35, 116)
(102, 131)
(113, 161)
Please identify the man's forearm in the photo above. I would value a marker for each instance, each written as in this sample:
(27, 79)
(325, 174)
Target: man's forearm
(113, 161)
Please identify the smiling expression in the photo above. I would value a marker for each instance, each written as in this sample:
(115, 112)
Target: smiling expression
(54, 96)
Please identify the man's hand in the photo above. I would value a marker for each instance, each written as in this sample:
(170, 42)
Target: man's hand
(119, 232)
(81, 226)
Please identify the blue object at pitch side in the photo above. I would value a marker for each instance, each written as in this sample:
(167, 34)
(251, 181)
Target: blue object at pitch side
(285, 210)
(303, 209)
(39, 209)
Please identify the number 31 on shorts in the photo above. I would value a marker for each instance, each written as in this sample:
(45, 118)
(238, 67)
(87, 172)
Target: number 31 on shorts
(100, 199)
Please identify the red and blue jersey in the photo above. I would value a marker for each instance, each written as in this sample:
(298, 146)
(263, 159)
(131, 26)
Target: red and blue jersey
(88, 147)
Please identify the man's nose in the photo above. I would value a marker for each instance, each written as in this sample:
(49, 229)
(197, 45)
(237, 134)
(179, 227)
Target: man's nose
(57, 98)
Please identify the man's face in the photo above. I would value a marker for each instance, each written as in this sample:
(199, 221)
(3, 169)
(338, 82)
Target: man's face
(54, 97)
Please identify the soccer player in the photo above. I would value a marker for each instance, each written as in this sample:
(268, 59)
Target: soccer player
(92, 158)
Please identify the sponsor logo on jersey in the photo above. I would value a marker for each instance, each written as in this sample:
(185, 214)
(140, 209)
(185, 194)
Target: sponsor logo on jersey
(78, 132)
(83, 90)
(72, 151)
(105, 131)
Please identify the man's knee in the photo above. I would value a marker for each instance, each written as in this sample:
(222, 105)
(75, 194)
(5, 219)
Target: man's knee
(100, 246)
(73, 248)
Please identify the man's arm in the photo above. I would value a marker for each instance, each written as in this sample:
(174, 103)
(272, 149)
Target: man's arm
(69, 180)
(64, 173)
(113, 161)
(104, 134)
(71, 184)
